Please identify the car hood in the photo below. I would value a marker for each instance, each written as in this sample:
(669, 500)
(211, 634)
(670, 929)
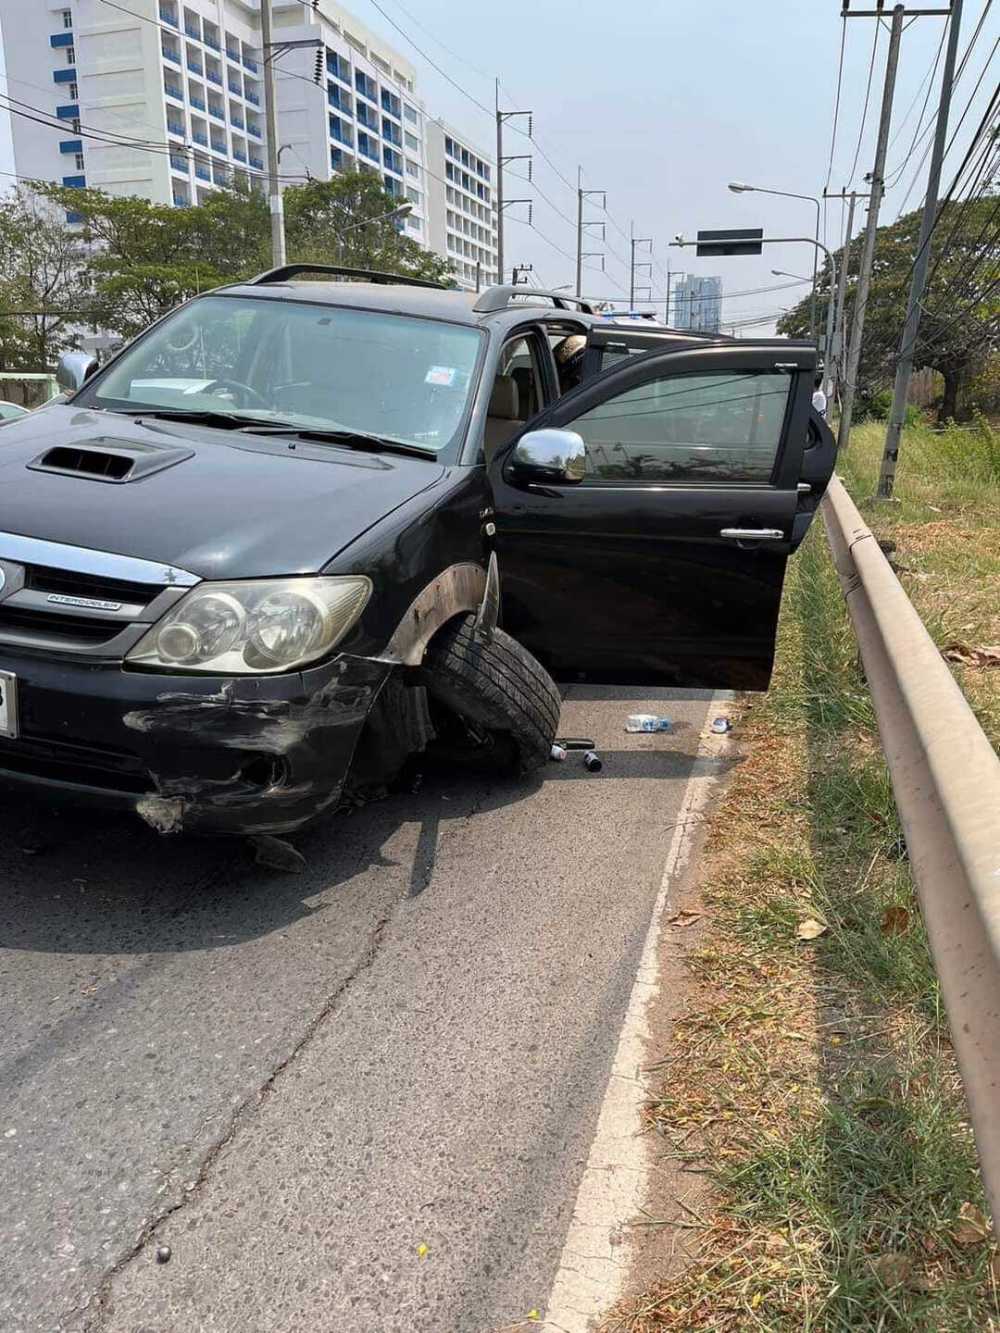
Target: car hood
(230, 506)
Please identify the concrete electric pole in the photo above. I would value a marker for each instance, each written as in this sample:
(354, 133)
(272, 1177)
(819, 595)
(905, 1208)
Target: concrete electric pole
(904, 365)
(271, 125)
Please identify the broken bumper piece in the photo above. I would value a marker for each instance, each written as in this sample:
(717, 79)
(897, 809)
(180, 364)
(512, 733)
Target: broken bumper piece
(192, 753)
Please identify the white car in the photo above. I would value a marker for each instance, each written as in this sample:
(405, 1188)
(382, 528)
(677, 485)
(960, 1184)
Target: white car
(11, 412)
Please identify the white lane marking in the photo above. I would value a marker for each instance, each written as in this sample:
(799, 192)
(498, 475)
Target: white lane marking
(596, 1257)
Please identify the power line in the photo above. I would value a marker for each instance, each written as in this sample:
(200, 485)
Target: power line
(433, 63)
(868, 93)
(896, 172)
(836, 105)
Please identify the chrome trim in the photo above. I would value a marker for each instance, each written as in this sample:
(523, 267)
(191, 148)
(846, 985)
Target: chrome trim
(550, 455)
(8, 681)
(753, 534)
(804, 488)
(82, 560)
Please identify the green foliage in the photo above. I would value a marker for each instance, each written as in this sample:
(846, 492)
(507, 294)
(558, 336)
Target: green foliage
(40, 271)
(957, 334)
(141, 259)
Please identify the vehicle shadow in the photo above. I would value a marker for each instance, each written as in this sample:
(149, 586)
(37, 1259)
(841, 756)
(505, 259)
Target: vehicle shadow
(80, 881)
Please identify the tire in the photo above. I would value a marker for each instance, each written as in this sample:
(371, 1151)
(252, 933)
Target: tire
(497, 688)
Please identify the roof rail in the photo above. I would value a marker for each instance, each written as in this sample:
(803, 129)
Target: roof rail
(499, 298)
(288, 271)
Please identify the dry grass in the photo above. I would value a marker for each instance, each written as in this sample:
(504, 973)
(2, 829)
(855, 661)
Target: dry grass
(814, 1080)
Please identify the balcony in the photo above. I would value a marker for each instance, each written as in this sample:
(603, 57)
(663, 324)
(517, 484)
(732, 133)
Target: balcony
(181, 200)
(200, 138)
(203, 173)
(192, 31)
(238, 121)
(251, 97)
(217, 112)
(212, 42)
(213, 77)
(173, 56)
(172, 90)
(250, 64)
(196, 68)
(168, 16)
(235, 87)
(179, 164)
(196, 101)
(175, 127)
(257, 162)
(239, 154)
(255, 131)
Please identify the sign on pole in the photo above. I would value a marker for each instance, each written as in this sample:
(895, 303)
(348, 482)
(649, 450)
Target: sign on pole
(734, 241)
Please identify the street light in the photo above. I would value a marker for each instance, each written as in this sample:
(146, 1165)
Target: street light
(401, 211)
(780, 273)
(740, 187)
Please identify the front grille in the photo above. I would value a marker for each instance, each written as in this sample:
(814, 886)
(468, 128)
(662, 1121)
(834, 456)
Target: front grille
(40, 578)
(61, 631)
(84, 765)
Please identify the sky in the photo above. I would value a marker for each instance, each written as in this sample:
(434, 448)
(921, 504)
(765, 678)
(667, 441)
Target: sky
(663, 102)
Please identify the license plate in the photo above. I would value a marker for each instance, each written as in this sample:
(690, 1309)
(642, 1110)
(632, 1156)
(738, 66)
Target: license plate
(8, 704)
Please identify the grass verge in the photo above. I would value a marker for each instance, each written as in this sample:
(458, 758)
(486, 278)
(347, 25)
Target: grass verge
(812, 1076)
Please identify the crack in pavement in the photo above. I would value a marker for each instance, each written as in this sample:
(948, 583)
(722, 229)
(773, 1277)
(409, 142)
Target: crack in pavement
(99, 1305)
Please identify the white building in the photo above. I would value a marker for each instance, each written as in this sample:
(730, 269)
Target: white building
(178, 84)
(363, 114)
(460, 185)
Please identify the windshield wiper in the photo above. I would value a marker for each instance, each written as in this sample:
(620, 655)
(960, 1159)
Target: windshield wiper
(200, 416)
(354, 439)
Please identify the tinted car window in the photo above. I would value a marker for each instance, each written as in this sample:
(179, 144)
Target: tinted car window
(688, 428)
(310, 364)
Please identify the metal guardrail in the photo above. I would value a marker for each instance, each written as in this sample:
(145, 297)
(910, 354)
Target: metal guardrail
(946, 781)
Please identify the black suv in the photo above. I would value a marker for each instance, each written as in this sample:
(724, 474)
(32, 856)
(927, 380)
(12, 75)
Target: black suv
(265, 554)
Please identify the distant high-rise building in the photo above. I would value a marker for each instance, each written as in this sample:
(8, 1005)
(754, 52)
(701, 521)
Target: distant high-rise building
(698, 304)
(460, 187)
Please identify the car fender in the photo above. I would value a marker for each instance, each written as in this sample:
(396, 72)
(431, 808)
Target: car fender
(459, 589)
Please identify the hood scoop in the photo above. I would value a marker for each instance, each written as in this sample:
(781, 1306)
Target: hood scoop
(108, 459)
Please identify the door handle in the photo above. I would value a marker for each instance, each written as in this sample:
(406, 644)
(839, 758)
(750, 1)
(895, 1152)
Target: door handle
(753, 534)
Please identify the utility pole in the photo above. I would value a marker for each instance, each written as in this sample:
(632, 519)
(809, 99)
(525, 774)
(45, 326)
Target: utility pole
(633, 266)
(271, 125)
(904, 365)
(868, 252)
(479, 274)
(502, 117)
(517, 270)
(837, 354)
(581, 196)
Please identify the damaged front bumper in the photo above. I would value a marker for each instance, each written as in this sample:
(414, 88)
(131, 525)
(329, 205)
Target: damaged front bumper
(261, 754)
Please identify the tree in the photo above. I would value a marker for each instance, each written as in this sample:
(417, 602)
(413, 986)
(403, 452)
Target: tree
(42, 274)
(961, 308)
(342, 220)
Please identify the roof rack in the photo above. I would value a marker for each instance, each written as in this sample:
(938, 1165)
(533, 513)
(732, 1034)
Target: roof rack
(288, 271)
(499, 298)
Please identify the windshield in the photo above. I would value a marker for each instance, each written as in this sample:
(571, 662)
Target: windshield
(320, 367)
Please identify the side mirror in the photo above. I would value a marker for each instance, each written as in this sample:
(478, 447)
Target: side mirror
(74, 369)
(549, 456)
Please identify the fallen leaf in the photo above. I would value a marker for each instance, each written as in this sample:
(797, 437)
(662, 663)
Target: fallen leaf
(972, 1228)
(684, 918)
(534, 1314)
(810, 929)
(987, 656)
(422, 1251)
(756, 1300)
(895, 920)
(893, 1269)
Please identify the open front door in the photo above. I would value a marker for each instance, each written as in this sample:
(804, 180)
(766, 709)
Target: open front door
(665, 563)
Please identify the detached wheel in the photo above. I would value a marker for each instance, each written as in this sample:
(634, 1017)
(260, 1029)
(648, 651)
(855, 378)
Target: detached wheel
(502, 707)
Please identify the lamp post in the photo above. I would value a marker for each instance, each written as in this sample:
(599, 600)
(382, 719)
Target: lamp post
(740, 187)
(681, 243)
(402, 211)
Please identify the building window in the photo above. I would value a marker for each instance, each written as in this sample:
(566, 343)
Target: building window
(412, 142)
(71, 55)
(74, 92)
(412, 169)
(76, 124)
(79, 162)
(67, 18)
(414, 196)
(410, 113)
(392, 161)
(365, 85)
(341, 131)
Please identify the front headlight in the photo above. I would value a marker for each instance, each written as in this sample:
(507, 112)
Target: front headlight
(252, 627)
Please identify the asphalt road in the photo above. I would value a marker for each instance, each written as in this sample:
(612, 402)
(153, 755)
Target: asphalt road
(295, 1082)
